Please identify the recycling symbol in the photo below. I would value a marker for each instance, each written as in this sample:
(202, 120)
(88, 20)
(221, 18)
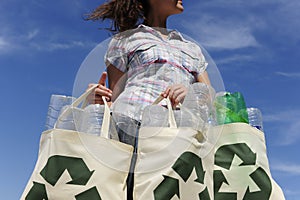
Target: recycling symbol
(235, 168)
(224, 158)
(184, 167)
(52, 172)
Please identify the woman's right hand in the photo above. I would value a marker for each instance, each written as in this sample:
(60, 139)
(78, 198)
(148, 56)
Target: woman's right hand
(96, 96)
(176, 93)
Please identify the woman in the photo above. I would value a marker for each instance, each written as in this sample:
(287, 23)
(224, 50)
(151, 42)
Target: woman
(126, 16)
(144, 60)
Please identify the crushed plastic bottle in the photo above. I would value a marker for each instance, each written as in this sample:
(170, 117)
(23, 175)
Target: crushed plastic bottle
(198, 102)
(230, 108)
(57, 104)
(255, 118)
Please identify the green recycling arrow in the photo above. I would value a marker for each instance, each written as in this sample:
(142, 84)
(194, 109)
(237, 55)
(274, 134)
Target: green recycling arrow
(262, 180)
(225, 154)
(184, 167)
(219, 178)
(168, 188)
(185, 164)
(76, 167)
(91, 194)
(37, 192)
(224, 157)
(204, 195)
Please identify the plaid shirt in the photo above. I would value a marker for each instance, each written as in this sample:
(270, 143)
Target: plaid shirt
(152, 63)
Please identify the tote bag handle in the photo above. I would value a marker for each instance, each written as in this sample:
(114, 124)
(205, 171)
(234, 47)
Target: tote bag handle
(172, 121)
(82, 99)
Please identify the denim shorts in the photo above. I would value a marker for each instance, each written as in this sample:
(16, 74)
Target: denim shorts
(130, 138)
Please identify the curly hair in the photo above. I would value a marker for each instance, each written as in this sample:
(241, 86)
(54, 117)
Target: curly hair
(124, 14)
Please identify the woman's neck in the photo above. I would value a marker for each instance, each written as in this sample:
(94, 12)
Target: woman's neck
(155, 20)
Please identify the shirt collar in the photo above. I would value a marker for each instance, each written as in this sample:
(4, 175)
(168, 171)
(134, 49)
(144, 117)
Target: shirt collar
(173, 34)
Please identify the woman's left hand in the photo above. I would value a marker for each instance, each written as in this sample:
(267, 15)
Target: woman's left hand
(176, 93)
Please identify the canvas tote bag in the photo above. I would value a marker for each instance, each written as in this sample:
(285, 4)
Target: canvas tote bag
(77, 166)
(223, 163)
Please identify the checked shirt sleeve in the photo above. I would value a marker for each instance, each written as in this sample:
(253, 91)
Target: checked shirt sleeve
(116, 54)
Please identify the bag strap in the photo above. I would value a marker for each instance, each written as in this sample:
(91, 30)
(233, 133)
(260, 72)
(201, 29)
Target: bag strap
(82, 99)
(75, 103)
(172, 121)
(105, 120)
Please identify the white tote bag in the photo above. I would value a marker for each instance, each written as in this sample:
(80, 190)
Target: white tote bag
(73, 165)
(224, 163)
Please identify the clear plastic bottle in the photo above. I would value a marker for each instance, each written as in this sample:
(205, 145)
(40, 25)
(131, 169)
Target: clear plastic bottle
(255, 118)
(91, 120)
(56, 105)
(199, 102)
(155, 116)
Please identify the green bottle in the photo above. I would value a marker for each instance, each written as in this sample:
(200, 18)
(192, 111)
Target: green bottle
(230, 108)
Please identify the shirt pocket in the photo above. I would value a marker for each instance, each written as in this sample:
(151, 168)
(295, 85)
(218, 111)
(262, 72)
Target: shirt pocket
(193, 61)
(142, 54)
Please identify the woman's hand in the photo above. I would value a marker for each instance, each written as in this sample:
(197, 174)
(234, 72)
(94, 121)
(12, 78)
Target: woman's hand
(96, 96)
(176, 93)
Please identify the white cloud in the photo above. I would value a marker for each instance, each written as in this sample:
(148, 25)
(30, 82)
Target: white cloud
(36, 39)
(235, 58)
(52, 46)
(218, 28)
(5, 45)
(289, 75)
(234, 24)
(288, 123)
(66, 45)
(289, 114)
(32, 34)
(41, 34)
(220, 34)
(292, 132)
(293, 169)
(228, 37)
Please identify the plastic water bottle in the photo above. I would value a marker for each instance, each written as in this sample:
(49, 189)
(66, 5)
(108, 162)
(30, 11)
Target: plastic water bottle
(231, 107)
(71, 120)
(255, 118)
(199, 102)
(56, 105)
(91, 120)
(155, 116)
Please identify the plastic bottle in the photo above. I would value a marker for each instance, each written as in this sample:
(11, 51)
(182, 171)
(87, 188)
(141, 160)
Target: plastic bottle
(155, 116)
(91, 120)
(255, 118)
(56, 105)
(230, 108)
(199, 102)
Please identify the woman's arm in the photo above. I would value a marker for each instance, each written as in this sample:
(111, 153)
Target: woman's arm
(203, 78)
(116, 81)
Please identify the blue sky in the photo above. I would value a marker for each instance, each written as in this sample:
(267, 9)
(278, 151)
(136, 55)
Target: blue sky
(255, 44)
